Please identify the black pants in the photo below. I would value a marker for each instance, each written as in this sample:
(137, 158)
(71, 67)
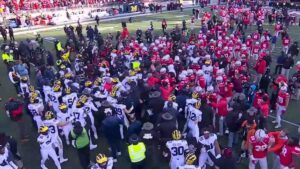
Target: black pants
(138, 165)
(84, 156)
(278, 69)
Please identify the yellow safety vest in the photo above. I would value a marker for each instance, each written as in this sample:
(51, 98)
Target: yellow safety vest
(59, 47)
(66, 56)
(136, 65)
(7, 57)
(137, 152)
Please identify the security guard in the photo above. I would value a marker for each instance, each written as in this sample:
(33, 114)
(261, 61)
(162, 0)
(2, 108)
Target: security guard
(81, 142)
(136, 150)
(7, 57)
(58, 48)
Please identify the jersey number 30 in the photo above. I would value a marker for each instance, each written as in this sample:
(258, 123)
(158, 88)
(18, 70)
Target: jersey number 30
(177, 151)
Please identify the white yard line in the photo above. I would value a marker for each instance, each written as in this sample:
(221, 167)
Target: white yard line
(286, 121)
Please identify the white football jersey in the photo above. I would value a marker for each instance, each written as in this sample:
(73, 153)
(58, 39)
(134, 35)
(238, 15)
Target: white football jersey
(209, 142)
(89, 106)
(79, 115)
(189, 102)
(109, 165)
(52, 125)
(24, 88)
(45, 141)
(194, 114)
(177, 148)
(36, 108)
(53, 97)
(207, 69)
(189, 167)
(65, 117)
(70, 99)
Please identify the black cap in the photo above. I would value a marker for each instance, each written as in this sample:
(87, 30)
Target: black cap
(134, 139)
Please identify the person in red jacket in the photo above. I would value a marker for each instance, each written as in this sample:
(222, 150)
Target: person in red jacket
(166, 90)
(280, 139)
(152, 80)
(260, 67)
(264, 107)
(291, 148)
(222, 111)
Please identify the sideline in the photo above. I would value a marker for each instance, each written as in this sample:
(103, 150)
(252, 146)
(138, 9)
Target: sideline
(90, 21)
(286, 121)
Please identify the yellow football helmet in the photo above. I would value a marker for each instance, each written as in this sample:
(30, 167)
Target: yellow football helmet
(190, 158)
(63, 107)
(63, 67)
(43, 129)
(195, 95)
(88, 83)
(176, 135)
(24, 79)
(198, 105)
(49, 115)
(115, 80)
(67, 90)
(78, 104)
(68, 75)
(32, 99)
(172, 97)
(57, 82)
(101, 159)
(132, 73)
(83, 98)
(97, 81)
(31, 88)
(56, 88)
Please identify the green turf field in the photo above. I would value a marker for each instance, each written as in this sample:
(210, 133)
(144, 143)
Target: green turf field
(30, 150)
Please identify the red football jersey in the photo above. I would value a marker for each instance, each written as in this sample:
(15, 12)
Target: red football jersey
(259, 148)
(282, 98)
(286, 155)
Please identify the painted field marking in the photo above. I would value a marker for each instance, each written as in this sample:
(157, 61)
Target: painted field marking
(286, 121)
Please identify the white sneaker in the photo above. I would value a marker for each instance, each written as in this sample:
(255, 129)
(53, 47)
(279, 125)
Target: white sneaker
(119, 153)
(277, 126)
(92, 147)
(63, 160)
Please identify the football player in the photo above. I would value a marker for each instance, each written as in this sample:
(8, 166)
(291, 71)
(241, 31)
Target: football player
(189, 162)
(258, 149)
(88, 108)
(177, 148)
(24, 86)
(36, 109)
(194, 117)
(70, 98)
(52, 123)
(46, 145)
(103, 162)
(65, 116)
(53, 97)
(208, 140)
(281, 104)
